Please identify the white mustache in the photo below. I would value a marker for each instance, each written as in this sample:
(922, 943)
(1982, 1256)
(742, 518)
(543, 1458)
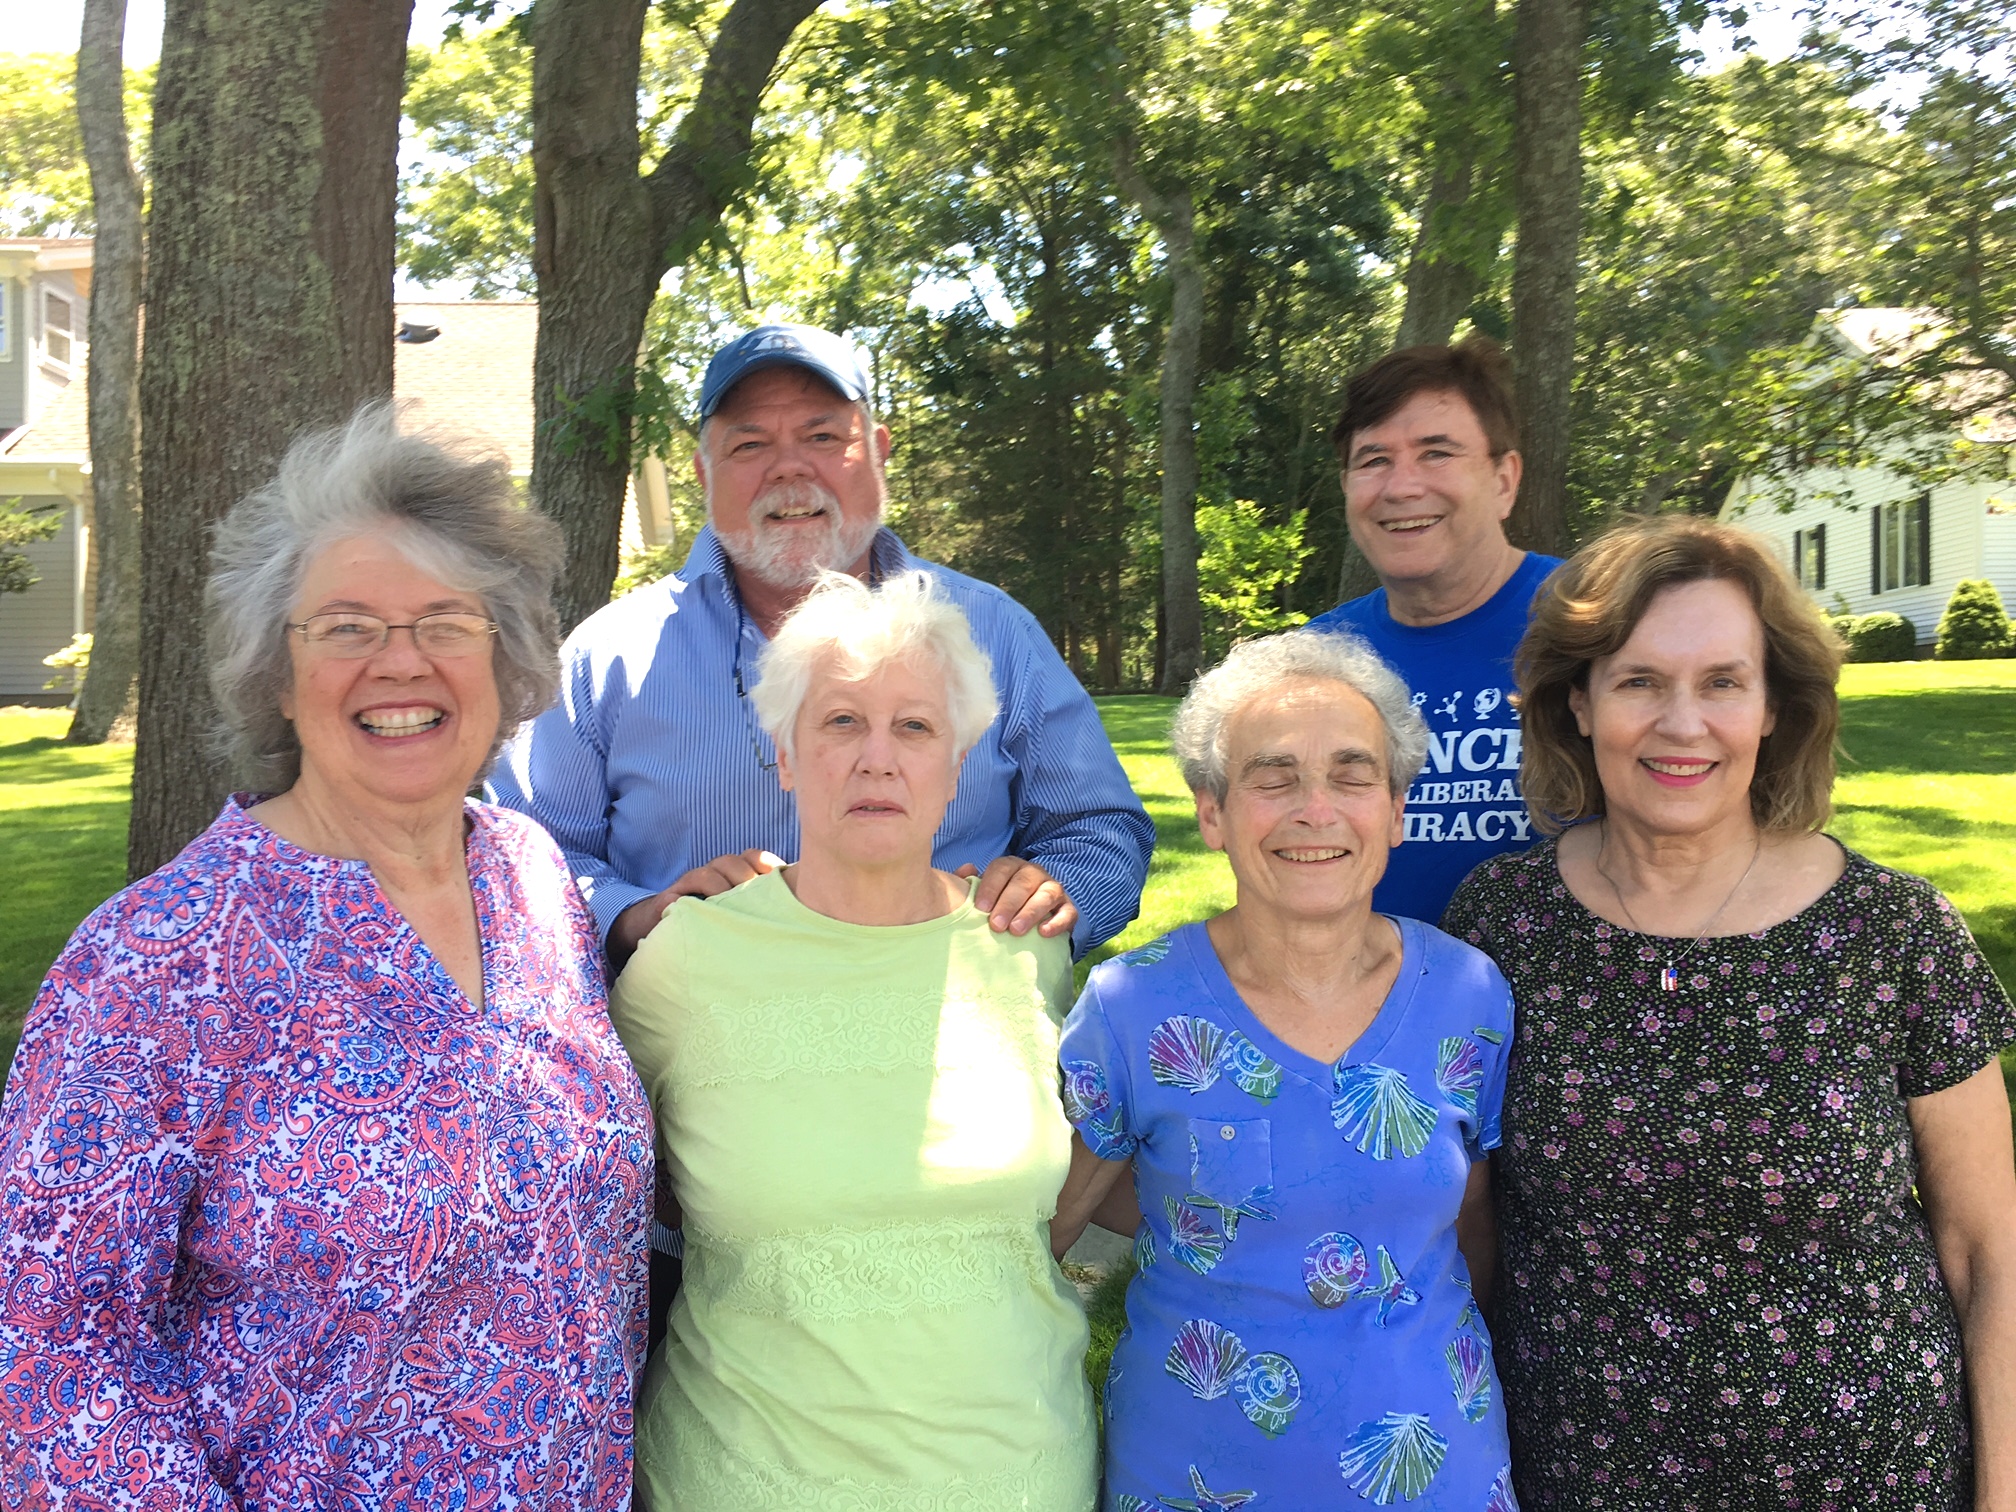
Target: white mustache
(800, 493)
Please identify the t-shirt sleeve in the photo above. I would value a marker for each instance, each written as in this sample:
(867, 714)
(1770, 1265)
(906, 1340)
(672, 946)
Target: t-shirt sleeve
(1494, 1033)
(1097, 1094)
(1956, 1015)
(1468, 916)
(643, 1003)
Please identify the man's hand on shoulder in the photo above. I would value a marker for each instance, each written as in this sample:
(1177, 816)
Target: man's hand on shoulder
(716, 877)
(1020, 896)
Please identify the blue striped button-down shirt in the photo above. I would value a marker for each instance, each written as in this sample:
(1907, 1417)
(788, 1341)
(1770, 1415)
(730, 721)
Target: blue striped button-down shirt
(652, 763)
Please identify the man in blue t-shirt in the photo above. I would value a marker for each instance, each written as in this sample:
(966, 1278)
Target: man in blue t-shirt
(1429, 445)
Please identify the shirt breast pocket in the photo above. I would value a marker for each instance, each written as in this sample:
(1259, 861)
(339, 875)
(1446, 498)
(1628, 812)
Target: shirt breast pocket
(1231, 1162)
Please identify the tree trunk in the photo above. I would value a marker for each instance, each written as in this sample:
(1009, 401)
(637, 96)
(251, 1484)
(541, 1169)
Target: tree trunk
(269, 311)
(1547, 187)
(1355, 578)
(603, 237)
(1440, 284)
(113, 400)
(1174, 219)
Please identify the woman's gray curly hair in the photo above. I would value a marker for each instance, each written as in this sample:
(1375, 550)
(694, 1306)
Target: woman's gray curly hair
(1256, 667)
(450, 508)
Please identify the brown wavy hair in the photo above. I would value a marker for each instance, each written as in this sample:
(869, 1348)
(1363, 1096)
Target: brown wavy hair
(1588, 610)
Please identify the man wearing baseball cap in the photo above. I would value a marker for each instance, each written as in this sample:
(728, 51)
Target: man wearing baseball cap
(652, 772)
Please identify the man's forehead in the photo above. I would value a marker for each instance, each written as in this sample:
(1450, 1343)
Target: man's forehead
(786, 384)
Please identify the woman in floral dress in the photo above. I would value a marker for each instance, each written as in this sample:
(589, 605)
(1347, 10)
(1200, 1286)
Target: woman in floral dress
(1739, 1046)
(1305, 1091)
(323, 1177)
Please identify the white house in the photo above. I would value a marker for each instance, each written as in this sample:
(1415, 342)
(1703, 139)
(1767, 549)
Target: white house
(463, 365)
(1868, 540)
(45, 291)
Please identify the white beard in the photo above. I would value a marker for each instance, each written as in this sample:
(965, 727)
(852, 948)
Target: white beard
(793, 556)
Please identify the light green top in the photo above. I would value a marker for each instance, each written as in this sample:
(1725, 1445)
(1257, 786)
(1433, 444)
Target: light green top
(864, 1131)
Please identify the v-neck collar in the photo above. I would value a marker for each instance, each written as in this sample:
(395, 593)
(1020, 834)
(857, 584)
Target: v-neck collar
(1393, 1010)
(476, 848)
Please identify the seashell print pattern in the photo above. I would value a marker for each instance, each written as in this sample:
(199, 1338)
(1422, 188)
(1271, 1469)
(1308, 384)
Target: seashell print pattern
(1183, 1052)
(1334, 1268)
(1253, 1205)
(1205, 1358)
(1244, 1062)
(1202, 1499)
(1459, 1072)
(1191, 1240)
(1088, 1104)
(1376, 1108)
(1470, 1375)
(1392, 1289)
(1269, 1390)
(1393, 1458)
(1502, 1499)
(1144, 1246)
(1146, 955)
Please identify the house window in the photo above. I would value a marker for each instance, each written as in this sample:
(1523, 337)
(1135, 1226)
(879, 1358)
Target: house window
(1900, 545)
(1809, 557)
(56, 327)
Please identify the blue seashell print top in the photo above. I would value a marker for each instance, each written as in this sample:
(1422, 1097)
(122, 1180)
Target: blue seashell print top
(1301, 1332)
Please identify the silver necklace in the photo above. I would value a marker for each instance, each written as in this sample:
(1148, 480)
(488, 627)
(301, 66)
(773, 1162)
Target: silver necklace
(1669, 978)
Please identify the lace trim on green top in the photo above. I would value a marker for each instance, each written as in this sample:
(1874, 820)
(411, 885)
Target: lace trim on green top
(826, 1034)
(702, 1472)
(835, 1274)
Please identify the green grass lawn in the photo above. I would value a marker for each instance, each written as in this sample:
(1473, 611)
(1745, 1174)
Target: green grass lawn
(1930, 786)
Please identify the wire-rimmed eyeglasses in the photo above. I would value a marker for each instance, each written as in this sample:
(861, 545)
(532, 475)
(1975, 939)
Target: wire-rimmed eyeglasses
(347, 634)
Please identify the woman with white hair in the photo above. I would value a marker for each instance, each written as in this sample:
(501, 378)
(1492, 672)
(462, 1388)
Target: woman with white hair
(856, 1088)
(1305, 1091)
(325, 1178)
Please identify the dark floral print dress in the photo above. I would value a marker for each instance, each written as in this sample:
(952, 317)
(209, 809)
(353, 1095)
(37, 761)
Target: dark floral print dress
(1716, 1286)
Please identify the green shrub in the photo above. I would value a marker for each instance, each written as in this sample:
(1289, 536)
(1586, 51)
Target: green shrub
(1974, 624)
(1882, 638)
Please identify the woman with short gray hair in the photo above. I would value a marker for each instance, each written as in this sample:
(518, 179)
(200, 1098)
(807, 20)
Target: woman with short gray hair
(332, 1177)
(1305, 1092)
(856, 1086)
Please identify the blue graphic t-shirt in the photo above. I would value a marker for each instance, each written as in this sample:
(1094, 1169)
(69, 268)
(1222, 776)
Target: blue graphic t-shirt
(1301, 1333)
(1465, 807)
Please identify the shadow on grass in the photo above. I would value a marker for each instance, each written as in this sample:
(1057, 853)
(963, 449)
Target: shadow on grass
(1970, 731)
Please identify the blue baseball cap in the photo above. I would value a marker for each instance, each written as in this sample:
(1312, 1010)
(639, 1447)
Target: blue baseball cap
(833, 358)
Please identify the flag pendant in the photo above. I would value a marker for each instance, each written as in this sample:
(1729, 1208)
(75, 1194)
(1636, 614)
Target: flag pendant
(1669, 979)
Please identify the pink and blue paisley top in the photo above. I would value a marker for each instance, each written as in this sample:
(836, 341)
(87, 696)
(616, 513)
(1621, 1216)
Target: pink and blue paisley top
(1301, 1333)
(286, 1222)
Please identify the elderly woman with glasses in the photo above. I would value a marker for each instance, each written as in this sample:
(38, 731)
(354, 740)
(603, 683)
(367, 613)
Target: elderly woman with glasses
(856, 1086)
(1757, 1193)
(323, 1178)
(1305, 1091)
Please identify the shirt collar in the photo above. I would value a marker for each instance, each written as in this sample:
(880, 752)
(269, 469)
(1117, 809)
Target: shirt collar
(707, 559)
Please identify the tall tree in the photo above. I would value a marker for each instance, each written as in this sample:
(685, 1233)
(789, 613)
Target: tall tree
(118, 266)
(604, 236)
(1547, 189)
(1171, 211)
(269, 310)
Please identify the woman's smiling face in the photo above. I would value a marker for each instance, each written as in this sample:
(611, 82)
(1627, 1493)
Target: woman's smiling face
(873, 764)
(1675, 716)
(399, 726)
(1308, 817)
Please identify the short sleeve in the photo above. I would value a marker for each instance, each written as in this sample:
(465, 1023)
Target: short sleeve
(1097, 1093)
(1468, 915)
(1956, 1015)
(1495, 1031)
(643, 1004)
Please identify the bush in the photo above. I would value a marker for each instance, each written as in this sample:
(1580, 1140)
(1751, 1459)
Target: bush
(1881, 638)
(1974, 624)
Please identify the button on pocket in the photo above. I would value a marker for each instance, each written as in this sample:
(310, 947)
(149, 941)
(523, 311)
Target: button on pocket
(1231, 1162)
